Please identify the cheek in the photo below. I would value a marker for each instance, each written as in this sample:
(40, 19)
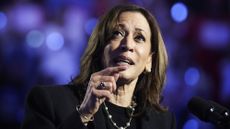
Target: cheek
(143, 54)
(143, 57)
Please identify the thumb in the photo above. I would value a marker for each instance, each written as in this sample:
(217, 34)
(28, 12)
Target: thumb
(116, 76)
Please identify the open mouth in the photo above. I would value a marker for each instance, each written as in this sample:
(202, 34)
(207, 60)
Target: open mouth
(123, 60)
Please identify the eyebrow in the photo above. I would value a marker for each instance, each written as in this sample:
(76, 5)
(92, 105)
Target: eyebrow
(139, 29)
(122, 26)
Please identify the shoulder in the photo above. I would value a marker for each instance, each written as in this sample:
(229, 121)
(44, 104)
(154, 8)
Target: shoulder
(48, 90)
(57, 90)
(53, 93)
(51, 104)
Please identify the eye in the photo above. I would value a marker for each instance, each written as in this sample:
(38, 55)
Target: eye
(118, 33)
(140, 38)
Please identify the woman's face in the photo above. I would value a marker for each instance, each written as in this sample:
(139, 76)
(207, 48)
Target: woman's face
(129, 46)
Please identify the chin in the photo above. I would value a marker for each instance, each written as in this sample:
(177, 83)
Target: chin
(124, 78)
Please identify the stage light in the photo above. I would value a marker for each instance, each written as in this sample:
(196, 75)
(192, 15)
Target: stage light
(35, 38)
(214, 35)
(191, 76)
(191, 124)
(225, 74)
(26, 17)
(61, 66)
(90, 24)
(55, 41)
(172, 82)
(74, 23)
(179, 12)
(3, 20)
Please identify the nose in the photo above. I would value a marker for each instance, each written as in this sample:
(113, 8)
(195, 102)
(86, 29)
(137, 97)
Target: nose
(127, 44)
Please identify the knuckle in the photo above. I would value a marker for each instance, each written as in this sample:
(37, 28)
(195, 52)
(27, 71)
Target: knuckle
(90, 84)
(110, 84)
(93, 77)
(113, 79)
(107, 93)
(109, 69)
(94, 92)
(110, 78)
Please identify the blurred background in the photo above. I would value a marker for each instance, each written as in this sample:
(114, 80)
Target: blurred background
(41, 42)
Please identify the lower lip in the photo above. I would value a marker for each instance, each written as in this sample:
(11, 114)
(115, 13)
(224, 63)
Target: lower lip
(122, 64)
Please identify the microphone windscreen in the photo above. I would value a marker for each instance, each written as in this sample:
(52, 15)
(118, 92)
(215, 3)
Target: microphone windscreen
(199, 107)
(209, 111)
(221, 109)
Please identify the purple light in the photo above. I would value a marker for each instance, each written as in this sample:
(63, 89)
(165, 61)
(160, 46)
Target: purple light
(172, 82)
(90, 24)
(191, 124)
(225, 74)
(26, 17)
(74, 20)
(61, 66)
(3, 20)
(192, 76)
(35, 38)
(55, 41)
(215, 34)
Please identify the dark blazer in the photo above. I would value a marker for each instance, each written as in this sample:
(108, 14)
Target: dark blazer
(54, 107)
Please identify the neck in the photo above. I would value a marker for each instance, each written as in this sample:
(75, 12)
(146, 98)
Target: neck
(124, 94)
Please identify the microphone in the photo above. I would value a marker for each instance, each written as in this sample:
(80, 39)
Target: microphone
(210, 111)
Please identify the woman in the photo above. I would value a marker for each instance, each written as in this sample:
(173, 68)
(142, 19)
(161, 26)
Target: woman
(120, 83)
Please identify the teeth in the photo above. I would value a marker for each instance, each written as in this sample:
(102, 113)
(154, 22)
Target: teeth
(124, 61)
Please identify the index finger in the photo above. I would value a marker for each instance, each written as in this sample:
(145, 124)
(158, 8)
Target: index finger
(113, 70)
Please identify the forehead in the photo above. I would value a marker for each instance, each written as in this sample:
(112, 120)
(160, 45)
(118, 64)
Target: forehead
(134, 19)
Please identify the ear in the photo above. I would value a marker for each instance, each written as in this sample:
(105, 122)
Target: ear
(148, 66)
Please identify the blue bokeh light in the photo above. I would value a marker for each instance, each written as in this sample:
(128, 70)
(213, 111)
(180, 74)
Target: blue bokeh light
(214, 34)
(35, 38)
(61, 66)
(192, 76)
(55, 41)
(90, 24)
(191, 124)
(3, 20)
(74, 26)
(27, 17)
(172, 82)
(225, 73)
(179, 12)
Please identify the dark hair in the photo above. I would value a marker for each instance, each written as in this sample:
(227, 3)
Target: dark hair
(149, 85)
